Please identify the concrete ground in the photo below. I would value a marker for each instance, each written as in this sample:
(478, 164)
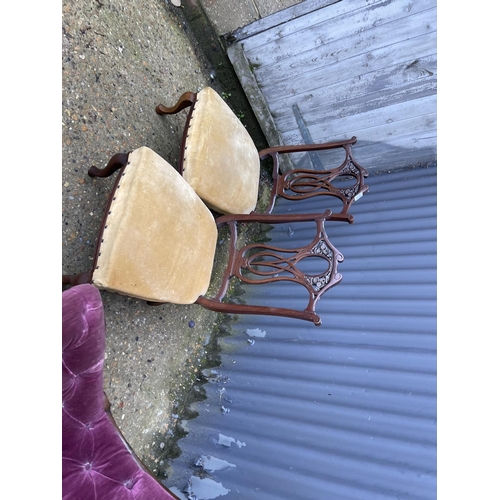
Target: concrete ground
(120, 58)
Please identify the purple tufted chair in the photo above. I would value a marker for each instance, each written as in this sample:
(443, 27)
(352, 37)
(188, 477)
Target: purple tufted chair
(97, 462)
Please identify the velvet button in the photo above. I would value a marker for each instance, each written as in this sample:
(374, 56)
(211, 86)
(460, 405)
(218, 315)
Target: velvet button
(129, 484)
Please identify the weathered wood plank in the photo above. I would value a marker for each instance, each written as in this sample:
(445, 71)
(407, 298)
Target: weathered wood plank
(377, 157)
(287, 122)
(343, 129)
(305, 21)
(400, 159)
(351, 71)
(392, 121)
(402, 153)
(255, 96)
(396, 153)
(339, 100)
(410, 144)
(272, 68)
(337, 20)
(391, 117)
(280, 17)
(360, 67)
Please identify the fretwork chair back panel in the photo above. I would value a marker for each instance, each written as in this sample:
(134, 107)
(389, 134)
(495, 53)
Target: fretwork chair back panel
(158, 242)
(220, 161)
(260, 263)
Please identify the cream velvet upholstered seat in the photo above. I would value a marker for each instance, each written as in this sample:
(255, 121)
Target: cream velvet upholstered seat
(221, 162)
(159, 238)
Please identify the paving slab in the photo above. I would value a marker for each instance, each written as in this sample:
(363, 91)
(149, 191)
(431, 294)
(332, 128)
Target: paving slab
(227, 16)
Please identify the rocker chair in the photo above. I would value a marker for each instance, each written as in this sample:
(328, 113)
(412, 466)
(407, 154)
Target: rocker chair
(158, 239)
(221, 163)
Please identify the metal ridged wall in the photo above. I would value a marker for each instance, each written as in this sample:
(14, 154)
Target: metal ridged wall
(346, 410)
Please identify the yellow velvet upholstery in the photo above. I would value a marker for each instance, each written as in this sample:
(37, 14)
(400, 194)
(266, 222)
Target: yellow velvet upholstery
(159, 238)
(221, 162)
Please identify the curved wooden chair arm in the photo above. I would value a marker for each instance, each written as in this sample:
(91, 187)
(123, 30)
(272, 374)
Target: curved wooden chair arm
(222, 307)
(116, 162)
(302, 148)
(185, 100)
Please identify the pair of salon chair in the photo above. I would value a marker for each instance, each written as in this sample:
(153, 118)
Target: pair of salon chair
(159, 233)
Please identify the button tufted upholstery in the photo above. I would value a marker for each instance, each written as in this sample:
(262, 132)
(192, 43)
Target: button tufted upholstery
(97, 463)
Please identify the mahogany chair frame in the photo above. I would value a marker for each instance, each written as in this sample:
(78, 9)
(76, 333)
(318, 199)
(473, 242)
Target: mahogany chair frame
(254, 263)
(295, 184)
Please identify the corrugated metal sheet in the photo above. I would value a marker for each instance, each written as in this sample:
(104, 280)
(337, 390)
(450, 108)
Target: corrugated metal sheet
(360, 67)
(346, 410)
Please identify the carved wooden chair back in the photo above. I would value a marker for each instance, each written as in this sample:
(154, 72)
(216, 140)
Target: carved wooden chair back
(158, 242)
(221, 162)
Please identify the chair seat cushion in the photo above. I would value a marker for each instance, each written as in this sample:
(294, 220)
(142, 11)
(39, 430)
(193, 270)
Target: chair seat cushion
(221, 162)
(159, 238)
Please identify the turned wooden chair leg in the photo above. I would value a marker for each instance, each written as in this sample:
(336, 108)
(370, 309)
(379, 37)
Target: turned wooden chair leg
(117, 161)
(185, 100)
